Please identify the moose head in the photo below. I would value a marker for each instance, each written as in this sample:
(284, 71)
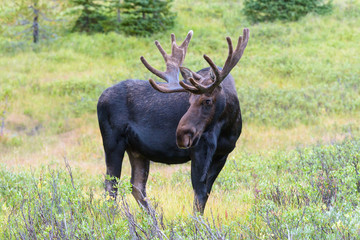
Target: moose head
(207, 97)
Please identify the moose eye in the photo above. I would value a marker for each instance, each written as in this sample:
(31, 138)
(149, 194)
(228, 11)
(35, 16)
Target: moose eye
(207, 102)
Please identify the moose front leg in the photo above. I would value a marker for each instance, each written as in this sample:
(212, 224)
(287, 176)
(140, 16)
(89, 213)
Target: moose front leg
(199, 186)
(216, 166)
(200, 164)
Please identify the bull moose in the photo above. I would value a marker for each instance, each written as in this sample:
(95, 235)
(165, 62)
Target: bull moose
(197, 119)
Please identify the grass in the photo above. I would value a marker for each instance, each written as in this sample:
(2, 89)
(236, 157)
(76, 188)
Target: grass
(298, 84)
(304, 193)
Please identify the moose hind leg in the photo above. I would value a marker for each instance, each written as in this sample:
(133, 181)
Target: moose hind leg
(114, 158)
(139, 174)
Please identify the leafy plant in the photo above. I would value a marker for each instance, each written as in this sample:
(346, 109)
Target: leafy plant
(91, 17)
(49, 204)
(113, 13)
(320, 199)
(144, 17)
(287, 10)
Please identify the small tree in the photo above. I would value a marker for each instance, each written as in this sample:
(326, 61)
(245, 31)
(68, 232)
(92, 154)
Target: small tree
(287, 10)
(144, 17)
(91, 16)
(32, 15)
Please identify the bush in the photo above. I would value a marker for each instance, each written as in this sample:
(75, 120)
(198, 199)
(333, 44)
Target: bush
(58, 204)
(144, 17)
(133, 17)
(286, 10)
(320, 199)
(91, 17)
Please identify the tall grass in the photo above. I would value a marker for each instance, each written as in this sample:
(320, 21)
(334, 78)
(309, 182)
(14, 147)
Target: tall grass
(305, 193)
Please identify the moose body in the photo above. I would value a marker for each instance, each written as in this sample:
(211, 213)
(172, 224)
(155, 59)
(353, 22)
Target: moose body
(172, 127)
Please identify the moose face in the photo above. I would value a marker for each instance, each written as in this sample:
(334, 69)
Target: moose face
(203, 111)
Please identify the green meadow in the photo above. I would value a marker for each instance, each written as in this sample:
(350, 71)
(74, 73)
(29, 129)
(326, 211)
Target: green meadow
(295, 173)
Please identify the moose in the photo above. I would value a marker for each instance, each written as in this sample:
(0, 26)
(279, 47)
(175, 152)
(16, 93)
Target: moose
(197, 119)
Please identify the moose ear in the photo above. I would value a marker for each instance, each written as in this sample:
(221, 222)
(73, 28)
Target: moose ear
(212, 75)
(186, 73)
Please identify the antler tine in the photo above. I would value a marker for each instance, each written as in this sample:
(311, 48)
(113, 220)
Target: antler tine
(151, 69)
(173, 39)
(189, 88)
(164, 89)
(227, 64)
(213, 66)
(187, 39)
(161, 50)
(199, 86)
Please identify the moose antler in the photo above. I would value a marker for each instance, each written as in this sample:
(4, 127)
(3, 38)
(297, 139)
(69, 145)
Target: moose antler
(173, 63)
(231, 61)
(175, 60)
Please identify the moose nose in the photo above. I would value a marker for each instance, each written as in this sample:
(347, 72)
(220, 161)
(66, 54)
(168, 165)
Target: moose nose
(184, 138)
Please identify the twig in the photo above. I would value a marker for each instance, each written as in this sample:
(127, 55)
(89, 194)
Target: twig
(68, 168)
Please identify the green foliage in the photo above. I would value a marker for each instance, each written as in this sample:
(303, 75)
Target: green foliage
(83, 94)
(305, 193)
(91, 17)
(58, 205)
(314, 194)
(133, 17)
(271, 10)
(52, 204)
(36, 19)
(145, 17)
(113, 13)
(287, 107)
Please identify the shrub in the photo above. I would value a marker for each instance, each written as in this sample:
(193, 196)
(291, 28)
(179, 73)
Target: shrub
(91, 17)
(286, 10)
(58, 204)
(320, 200)
(133, 17)
(144, 17)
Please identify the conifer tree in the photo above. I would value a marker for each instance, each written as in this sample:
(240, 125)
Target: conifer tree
(271, 10)
(91, 17)
(144, 17)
